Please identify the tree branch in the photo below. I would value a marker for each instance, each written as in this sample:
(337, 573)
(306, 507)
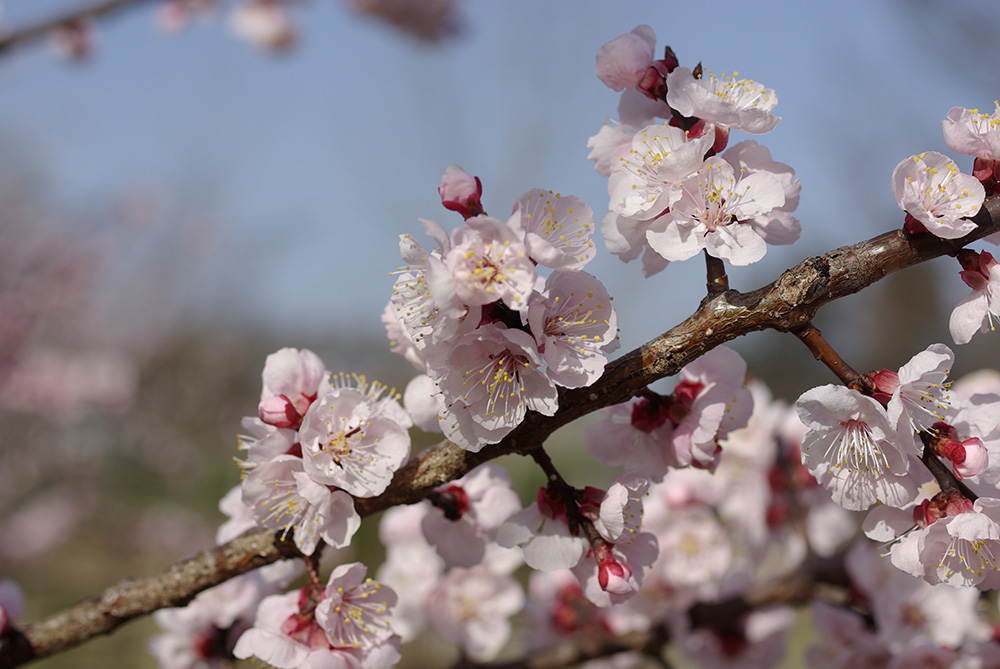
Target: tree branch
(41, 29)
(788, 303)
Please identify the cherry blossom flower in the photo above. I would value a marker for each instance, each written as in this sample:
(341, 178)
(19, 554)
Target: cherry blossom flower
(777, 226)
(541, 530)
(622, 61)
(644, 184)
(287, 635)
(758, 639)
(488, 263)
(956, 541)
(973, 133)
(930, 188)
(574, 325)
(472, 608)
(467, 513)
(610, 146)
(354, 611)
(285, 498)
(266, 24)
(741, 104)
(712, 211)
(354, 438)
(854, 451)
(556, 230)
(489, 381)
(918, 394)
(975, 312)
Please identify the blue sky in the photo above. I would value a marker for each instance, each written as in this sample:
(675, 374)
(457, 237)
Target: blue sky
(291, 178)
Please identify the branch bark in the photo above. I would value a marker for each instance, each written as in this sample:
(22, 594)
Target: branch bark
(786, 304)
(41, 29)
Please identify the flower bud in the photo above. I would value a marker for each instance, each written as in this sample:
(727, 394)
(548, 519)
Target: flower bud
(461, 192)
(279, 411)
(614, 576)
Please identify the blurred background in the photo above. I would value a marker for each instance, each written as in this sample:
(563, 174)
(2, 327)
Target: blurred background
(182, 195)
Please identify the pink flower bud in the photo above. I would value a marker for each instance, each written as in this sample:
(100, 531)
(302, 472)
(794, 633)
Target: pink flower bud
(614, 576)
(461, 192)
(974, 459)
(885, 382)
(279, 411)
(622, 63)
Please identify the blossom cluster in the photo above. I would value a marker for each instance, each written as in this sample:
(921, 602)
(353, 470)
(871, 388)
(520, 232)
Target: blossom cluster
(318, 440)
(722, 488)
(493, 336)
(674, 190)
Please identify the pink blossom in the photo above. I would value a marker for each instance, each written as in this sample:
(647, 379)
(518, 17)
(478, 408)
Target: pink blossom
(488, 263)
(611, 144)
(285, 498)
(711, 212)
(645, 183)
(556, 230)
(930, 188)
(741, 104)
(461, 192)
(423, 402)
(354, 611)
(777, 226)
(622, 62)
(613, 573)
(975, 312)
(972, 132)
(542, 533)
(467, 513)
(920, 396)
(574, 325)
(489, 381)
(472, 608)
(265, 24)
(355, 439)
(854, 451)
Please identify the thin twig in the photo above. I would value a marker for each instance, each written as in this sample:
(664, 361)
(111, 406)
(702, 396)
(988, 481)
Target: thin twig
(823, 351)
(718, 281)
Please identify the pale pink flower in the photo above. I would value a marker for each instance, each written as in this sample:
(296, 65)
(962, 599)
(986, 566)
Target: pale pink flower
(919, 391)
(240, 519)
(622, 61)
(613, 573)
(611, 144)
(854, 451)
(975, 312)
(354, 438)
(423, 402)
(266, 24)
(758, 639)
(710, 401)
(466, 514)
(574, 325)
(741, 104)
(488, 263)
(285, 637)
(930, 188)
(263, 442)
(626, 238)
(694, 549)
(461, 192)
(645, 182)
(472, 608)
(712, 211)
(489, 381)
(412, 567)
(355, 611)
(542, 533)
(635, 435)
(777, 226)
(844, 640)
(285, 498)
(556, 230)
(972, 132)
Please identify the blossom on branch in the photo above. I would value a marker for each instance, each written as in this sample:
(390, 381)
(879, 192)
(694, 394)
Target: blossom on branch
(739, 104)
(931, 190)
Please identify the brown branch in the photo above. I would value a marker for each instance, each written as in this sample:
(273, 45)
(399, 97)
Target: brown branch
(822, 351)
(718, 280)
(787, 304)
(41, 29)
